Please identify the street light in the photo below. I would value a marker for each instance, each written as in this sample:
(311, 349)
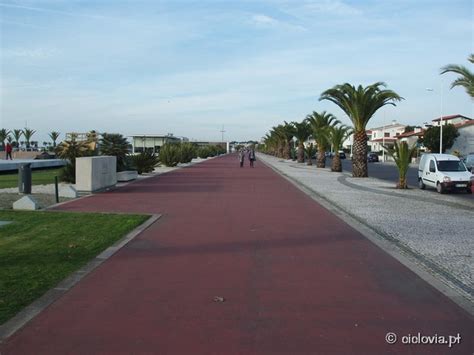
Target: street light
(441, 115)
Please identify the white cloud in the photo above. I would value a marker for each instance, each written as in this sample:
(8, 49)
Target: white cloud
(264, 20)
(334, 7)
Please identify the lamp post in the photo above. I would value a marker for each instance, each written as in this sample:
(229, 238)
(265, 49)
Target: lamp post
(441, 115)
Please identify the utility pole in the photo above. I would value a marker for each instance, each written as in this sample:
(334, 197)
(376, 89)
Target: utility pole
(222, 133)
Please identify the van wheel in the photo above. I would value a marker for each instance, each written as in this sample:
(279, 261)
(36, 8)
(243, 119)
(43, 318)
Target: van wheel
(421, 185)
(439, 188)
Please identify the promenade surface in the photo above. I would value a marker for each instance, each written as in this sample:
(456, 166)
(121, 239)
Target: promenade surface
(294, 277)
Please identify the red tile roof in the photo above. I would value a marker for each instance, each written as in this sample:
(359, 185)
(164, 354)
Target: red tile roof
(450, 117)
(412, 133)
(384, 139)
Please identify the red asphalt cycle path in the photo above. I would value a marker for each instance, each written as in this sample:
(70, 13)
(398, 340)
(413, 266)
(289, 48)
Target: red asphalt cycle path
(296, 279)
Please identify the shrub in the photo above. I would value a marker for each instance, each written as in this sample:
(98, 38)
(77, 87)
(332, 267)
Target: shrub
(187, 152)
(203, 152)
(68, 173)
(170, 154)
(115, 144)
(70, 150)
(144, 162)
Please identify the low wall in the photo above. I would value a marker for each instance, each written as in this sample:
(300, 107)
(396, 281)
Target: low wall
(95, 173)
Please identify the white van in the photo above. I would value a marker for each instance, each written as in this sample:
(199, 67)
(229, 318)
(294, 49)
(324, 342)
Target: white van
(444, 172)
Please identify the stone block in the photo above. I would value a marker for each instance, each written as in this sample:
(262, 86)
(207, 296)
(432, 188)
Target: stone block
(26, 203)
(67, 191)
(128, 175)
(95, 173)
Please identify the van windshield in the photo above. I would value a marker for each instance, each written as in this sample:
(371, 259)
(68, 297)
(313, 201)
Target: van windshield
(450, 165)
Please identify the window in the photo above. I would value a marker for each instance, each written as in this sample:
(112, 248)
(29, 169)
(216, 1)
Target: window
(387, 134)
(451, 165)
(432, 166)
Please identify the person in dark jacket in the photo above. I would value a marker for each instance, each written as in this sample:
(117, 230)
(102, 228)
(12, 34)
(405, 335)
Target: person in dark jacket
(251, 156)
(8, 151)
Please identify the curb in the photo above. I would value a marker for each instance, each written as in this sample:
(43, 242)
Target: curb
(14, 324)
(404, 255)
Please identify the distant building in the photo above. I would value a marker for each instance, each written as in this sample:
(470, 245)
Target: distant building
(412, 137)
(451, 119)
(151, 142)
(464, 143)
(384, 135)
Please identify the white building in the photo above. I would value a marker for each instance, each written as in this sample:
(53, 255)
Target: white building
(451, 119)
(464, 144)
(151, 142)
(412, 137)
(387, 135)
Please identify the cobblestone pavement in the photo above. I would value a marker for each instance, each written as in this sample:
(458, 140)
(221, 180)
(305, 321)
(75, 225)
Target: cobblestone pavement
(436, 229)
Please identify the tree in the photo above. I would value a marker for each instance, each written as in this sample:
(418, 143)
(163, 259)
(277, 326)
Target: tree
(70, 150)
(54, 137)
(17, 133)
(116, 145)
(360, 104)
(465, 78)
(401, 154)
(409, 129)
(28, 133)
(337, 136)
(431, 137)
(310, 151)
(320, 124)
(302, 133)
(4, 133)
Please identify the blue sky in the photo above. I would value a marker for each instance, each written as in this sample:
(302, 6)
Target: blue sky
(189, 67)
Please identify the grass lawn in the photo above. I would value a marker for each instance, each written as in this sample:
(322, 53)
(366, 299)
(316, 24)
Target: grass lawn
(39, 249)
(38, 177)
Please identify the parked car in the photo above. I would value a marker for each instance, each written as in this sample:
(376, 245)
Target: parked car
(372, 157)
(342, 155)
(444, 172)
(469, 162)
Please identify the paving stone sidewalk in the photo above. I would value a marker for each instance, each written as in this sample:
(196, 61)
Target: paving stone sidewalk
(437, 229)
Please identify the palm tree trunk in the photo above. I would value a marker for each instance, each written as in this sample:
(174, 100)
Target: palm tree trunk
(359, 155)
(287, 151)
(321, 161)
(336, 163)
(402, 182)
(300, 153)
(309, 161)
(281, 150)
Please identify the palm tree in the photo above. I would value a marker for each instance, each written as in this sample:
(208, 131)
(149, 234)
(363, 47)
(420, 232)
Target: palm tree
(360, 104)
(402, 154)
(284, 134)
(3, 136)
(115, 145)
(302, 133)
(28, 133)
(17, 133)
(310, 151)
(466, 77)
(54, 137)
(93, 140)
(337, 136)
(320, 124)
(70, 150)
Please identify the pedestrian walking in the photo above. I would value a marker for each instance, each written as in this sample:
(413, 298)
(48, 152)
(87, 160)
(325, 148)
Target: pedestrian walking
(8, 150)
(241, 157)
(251, 156)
